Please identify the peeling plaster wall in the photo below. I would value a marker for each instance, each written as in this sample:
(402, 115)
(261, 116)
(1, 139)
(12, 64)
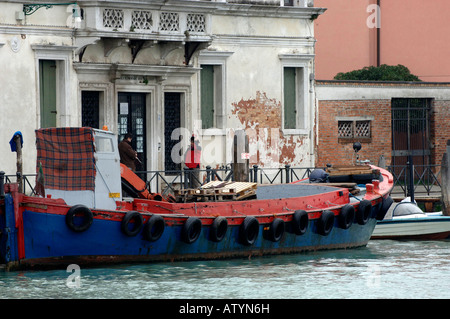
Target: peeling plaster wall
(254, 86)
(269, 147)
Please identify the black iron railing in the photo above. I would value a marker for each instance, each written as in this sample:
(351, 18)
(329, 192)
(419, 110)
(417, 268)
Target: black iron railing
(426, 178)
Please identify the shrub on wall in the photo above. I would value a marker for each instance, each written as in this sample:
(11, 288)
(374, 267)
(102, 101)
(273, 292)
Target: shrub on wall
(381, 73)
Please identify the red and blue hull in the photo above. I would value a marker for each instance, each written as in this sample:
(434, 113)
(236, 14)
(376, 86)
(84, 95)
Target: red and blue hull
(36, 234)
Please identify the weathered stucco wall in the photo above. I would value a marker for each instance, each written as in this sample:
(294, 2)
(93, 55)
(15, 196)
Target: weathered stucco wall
(252, 44)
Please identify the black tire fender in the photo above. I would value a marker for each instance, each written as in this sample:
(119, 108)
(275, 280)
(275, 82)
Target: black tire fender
(218, 229)
(191, 230)
(249, 230)
(300, 221)
(325, 222)
(79, 211)
(154, 228)
(386, 203)
(346, 216)
(275, 230)
(138, 221)
(363, 212)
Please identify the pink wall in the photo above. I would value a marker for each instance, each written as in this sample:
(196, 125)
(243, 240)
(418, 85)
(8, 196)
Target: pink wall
(415, 33)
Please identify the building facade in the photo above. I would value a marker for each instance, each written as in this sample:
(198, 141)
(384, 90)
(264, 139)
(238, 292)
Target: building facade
(391, 120)
(163, 70)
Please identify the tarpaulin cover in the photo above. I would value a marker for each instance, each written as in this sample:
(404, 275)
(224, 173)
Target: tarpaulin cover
(67, 157)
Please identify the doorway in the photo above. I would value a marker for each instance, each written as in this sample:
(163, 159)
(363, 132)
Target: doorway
(410, 132)
(90, 109)
(172, 121)
(131, 119)
(47, 88)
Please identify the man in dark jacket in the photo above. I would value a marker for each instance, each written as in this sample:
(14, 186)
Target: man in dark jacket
(126, 152)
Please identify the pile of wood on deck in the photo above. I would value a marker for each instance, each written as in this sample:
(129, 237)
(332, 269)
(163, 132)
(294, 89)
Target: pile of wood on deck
(217, 191)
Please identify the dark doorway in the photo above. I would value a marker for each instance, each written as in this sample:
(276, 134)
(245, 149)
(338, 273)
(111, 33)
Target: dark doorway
(131, 119)
(90, 105)
(172, 121)
(410, 132)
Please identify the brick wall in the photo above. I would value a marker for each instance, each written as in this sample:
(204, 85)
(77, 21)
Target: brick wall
(338, 151)
(337, 99)
(440, 129)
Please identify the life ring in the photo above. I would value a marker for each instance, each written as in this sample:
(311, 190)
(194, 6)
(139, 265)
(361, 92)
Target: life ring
(386, 203)
(191, 230)
(363, 212)
(300, 222)
(76, 212)
(346, 216)
(275, 230)
(138, 221)
(154, 228)
(218, 229)
(325, 223)
(248, 231)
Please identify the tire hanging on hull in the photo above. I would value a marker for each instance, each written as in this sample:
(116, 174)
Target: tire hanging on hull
(132, 218)
(154, 228)
(191, 230)
(248, 231)
(300, 222)
(325, 222)
(74, 213)
(218, 229)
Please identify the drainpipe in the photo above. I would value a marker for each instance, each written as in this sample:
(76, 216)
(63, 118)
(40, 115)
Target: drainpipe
(378, 32)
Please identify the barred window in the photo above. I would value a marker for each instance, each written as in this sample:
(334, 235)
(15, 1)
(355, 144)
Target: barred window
(354, 129)
(362, 128)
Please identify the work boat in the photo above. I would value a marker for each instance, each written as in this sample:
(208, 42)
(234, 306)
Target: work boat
(81, 216)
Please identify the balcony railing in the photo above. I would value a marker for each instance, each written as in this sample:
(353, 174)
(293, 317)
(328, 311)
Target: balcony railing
(158, 24)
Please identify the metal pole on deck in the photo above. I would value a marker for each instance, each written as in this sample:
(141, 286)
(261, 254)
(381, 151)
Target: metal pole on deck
(411, 178)
(17, 140)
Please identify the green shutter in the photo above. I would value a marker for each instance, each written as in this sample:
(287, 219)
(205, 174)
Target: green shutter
(289, 99)
(207, 95)
(47, 85)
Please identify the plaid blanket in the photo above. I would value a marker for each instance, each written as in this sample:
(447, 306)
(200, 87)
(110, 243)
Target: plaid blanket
(67, 157)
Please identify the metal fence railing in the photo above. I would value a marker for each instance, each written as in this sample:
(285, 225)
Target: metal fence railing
(426, 178)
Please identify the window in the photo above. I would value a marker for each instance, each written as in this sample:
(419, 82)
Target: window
(290, 92)
(294, 98)
(207, 96)
(297, 92)
(354, 129)
(103, 145)
(212, 79)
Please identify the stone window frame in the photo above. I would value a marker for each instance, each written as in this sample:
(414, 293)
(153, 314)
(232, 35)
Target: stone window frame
(63, 57)
(305, 87)
(219, 60)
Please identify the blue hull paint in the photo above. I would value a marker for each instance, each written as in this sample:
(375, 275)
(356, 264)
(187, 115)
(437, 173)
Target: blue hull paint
(47, 238)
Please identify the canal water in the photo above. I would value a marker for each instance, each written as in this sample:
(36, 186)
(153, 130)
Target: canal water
(383, 269)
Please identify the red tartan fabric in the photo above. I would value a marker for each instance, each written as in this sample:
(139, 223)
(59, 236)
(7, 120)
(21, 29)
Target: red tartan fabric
(67, 157)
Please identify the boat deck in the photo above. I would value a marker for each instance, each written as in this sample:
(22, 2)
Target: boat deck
(276, 191)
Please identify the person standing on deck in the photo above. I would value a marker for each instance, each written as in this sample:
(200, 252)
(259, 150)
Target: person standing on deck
(192, 161)
(126, 152)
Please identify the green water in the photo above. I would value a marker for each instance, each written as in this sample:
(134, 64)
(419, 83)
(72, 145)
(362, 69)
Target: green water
(383, 269)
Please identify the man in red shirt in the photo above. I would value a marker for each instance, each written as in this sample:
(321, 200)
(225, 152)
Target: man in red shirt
(192, 161)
